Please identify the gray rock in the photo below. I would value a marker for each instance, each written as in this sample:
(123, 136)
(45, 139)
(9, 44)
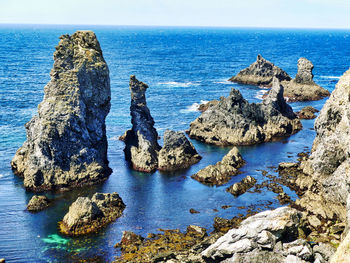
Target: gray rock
(307, 113)
(222, 171)
(304, 75)
(233, 121)
(87, 215)
(66, 142)
(241, 187)
(38, 203)
(141, 146)
(177, 152)
(261, 72)
(324, 251)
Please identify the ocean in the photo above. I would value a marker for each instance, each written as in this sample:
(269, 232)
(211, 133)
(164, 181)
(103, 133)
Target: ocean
(183, 68)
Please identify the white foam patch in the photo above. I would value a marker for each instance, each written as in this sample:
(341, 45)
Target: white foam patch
(259, 95)
(179, 84)
(226, 82)
(194, 107)
(2, 175)
(330, 77)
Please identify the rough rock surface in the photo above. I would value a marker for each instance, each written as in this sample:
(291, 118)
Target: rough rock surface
(203, 107)
(222, 171)
(87, 215)
(66, 142)
(141, 146)
(242, 186)
(234, 121)
(307, 113)
(303, 88)
(261, 72)
(342, 255)
(177, 152)
(38, 203)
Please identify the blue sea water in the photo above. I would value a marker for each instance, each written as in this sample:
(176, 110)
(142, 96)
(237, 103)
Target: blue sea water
(182, 66)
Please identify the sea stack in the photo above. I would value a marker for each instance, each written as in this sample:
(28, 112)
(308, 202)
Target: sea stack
(234, 121)
(141, 146)
(260, 73)
(66, 142)
(303, 87)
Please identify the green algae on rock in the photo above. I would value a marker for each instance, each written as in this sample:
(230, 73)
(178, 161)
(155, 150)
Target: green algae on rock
(66, 142)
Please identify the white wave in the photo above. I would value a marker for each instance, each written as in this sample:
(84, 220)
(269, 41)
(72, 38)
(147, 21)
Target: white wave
(194, 107)
(330, 77)
(2, 175)
(259, 95)
(226, 82)
(179, 84)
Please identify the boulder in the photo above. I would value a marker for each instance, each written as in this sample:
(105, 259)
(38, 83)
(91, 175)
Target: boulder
(87, 215)
(203, 107)
(141, 146)
(241, 187)
(177, 152)
(307, 113)
(38, 203)
(234, 121)
(222, 171)
(66, 142)
(303, 88)
(261, 72)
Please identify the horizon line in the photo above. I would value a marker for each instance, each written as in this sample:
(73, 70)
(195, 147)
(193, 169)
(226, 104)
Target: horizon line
(178, 26)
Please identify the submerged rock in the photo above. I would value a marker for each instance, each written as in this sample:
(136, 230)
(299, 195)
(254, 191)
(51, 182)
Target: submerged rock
(141, 146)
(87, 215)
(222, 171)
(307, 113)
(303, 88)
(261, 72)
(234, 121)
(241, 187)
(177, 152)
(38, 203)
(66, 142)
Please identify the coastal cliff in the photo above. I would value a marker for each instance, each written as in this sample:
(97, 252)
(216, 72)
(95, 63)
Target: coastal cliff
(66, 142)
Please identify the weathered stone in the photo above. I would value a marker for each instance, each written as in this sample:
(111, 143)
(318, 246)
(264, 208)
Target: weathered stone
(261, 72)
(129, 238)
(307, 113)
(177, 152)
(141, 146)
(233, 121)
(66, 142)
(205, 106)
(342, 255)
(88, 215)
(241, 187)
(222, 171)
(38, 203)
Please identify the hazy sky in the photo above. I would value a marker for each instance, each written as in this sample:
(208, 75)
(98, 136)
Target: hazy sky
(250, 13)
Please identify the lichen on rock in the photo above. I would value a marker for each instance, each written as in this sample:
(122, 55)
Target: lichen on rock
(66, 142)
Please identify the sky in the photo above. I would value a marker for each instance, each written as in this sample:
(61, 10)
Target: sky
(216, 13)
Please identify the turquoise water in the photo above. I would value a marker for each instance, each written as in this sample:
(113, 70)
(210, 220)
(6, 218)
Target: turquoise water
(182, 66)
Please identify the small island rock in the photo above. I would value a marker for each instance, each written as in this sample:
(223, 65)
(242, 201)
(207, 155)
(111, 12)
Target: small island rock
(66, 142)
(234, 121)
(307, 113)
(38, 203)
(177, 152)
(141, 146)
(88, 215)
(242, 186)
(261, 72)
(222, 171)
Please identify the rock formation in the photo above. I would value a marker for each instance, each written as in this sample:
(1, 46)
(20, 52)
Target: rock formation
(88, 215)
(303, 88)
(307, 113)
(203, 107)
(141, 146)
(177, 152)
(241, 187)
(234, 121)
(66, 142)
(261, 72)
(222, 171)
(38, 203)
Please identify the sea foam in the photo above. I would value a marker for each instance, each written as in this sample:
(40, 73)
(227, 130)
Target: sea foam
(194, 107)
(179, 84)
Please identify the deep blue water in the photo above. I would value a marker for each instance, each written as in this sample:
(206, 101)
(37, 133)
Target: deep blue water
(182, 66)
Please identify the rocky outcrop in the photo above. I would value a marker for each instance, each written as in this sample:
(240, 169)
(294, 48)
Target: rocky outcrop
(87, 215)
(38, 203)
(177, 152)
(203, 107)
(307, 113)
(66, 142)
(241, 187)
(222, 171)
(234, 121)
(303, 88)
(261, 72)
(141, 146)
(270, 236)
(342, 255)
